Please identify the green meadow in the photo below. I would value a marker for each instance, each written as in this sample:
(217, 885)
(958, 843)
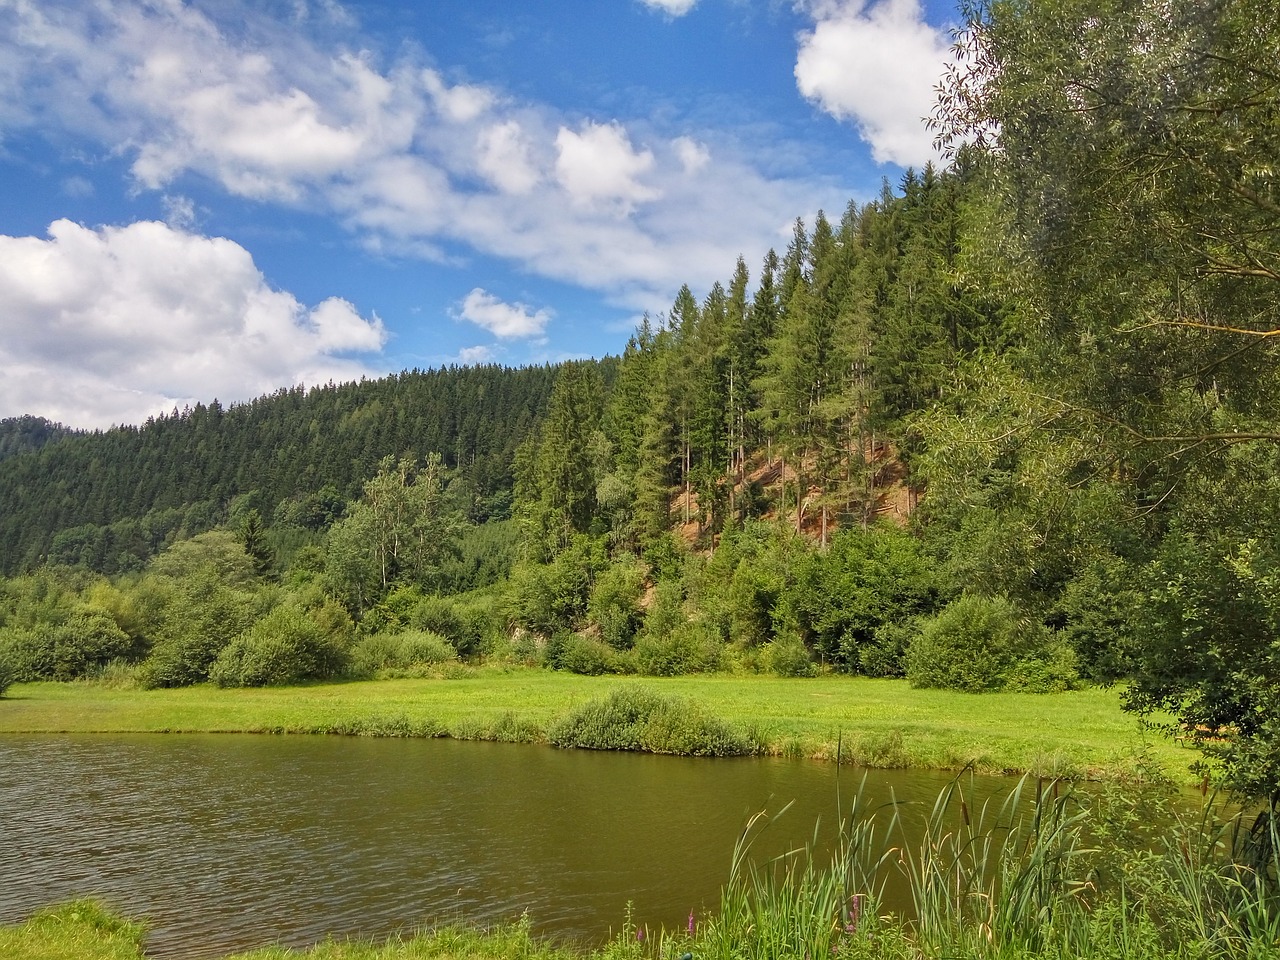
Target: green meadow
(874, 722)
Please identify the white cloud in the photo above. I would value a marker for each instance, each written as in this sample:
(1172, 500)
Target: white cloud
(503, 320)
(460, 104)
(504, 158)
(599, 167)
(77, 187)
(179, 211)
(674, 8)
(411, 165)
(474, 356)
(877, 66)
(693, 155)
(110, 325)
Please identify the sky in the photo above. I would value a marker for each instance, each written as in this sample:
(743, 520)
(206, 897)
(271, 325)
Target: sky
(214, 199)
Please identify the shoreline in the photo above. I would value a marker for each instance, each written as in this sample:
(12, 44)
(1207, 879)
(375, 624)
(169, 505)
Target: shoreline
(868, 722)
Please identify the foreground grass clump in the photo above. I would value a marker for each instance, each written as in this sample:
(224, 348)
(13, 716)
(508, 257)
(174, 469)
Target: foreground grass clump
(638, 719)
(81, 930)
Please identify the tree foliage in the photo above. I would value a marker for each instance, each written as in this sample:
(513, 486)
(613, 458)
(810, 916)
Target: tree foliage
(1132, 149)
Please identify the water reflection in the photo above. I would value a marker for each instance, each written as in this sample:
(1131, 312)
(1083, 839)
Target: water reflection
(231, 842)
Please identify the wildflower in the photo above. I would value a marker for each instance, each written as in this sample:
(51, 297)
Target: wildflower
(640, 934)
(852, 913)
(691, 923)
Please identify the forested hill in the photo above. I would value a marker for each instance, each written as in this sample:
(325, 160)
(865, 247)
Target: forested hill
(108, 500)
(791, 395)
(28, 433)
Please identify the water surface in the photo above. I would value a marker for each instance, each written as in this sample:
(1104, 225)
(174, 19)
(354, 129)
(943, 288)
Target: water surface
(228, 842)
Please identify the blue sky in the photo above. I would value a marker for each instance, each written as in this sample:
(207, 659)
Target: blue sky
(216, 199)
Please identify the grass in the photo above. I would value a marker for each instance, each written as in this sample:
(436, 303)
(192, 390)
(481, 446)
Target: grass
(879, 723)
(82, 930)
(85, 930)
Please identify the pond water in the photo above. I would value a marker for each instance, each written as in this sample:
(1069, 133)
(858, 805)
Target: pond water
(228, 842)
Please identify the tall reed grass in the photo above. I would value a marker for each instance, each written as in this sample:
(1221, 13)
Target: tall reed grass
(1034, 874)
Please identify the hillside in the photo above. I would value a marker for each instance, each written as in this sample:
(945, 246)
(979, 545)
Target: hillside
(109, 499)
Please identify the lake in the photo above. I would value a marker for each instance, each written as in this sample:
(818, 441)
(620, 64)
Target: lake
(228, 842)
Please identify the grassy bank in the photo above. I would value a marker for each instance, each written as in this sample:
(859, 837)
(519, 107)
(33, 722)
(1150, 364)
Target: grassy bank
(879, 723)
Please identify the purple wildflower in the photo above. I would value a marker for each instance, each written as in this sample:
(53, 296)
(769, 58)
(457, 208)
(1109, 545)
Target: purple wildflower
(690, 923)
(640, 934)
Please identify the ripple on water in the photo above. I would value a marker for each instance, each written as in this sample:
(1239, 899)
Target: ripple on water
(228, 842)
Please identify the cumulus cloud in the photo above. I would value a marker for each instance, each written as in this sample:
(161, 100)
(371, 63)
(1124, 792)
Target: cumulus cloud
(474, 356)
(504, 157)
(412, 163)
(173, 315)
(505, 320)
(461, 103)
(875, 65)
(598, 166)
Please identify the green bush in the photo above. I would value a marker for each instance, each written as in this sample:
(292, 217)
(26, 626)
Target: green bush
(83, 643)
(546, 598)
(579, 654)
(789, 658)
(689, 648)
(614, 604)
(400, 654)
(753, 594)
(636, 719)
(976, 644)
(886, 654)
(467, 623)
(190, 620)
(1051, 670)
(842, 597)
(181, 659)
(1101, 608)
(8, 670)
(286, 646)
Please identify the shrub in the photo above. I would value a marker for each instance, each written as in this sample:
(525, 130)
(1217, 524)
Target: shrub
(193, 621)
(843, 596)
(614, 605)
(545, 598)
(753, 593)
(886, 654)
(334, 622)
(181, 659)
(8, 670)
(85, 642)
(1052, 670)
(689, 648)
(789, 658)
(580, 654)
(466, 623)
(425, 648)
(973, 645)
(286, 646)
(637, 719)
(404, 653)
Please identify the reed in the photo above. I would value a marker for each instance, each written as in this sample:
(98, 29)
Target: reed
(1016, 878)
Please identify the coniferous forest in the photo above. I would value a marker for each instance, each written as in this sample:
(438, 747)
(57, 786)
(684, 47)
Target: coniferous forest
(1009, 425)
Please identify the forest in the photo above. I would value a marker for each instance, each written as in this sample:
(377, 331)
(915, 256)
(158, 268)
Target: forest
(1008, 426)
